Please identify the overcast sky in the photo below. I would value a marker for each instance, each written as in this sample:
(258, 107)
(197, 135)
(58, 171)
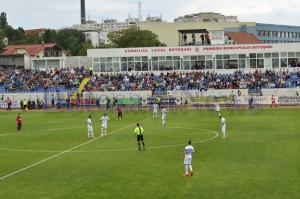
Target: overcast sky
(57, 14)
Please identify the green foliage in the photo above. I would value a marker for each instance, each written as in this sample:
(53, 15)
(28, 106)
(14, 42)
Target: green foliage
(21, 30)
(2, 36)
(103, 45)
(258, 159)
(3, 20)
(71, 40)
(31, 39)
(86, 45)
(15, 36)
(133, 37)
(49, 36)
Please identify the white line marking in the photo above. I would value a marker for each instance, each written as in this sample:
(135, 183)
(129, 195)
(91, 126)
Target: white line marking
(116, 150)
(66, 151)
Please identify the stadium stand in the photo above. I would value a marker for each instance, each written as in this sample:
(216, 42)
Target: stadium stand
(20, 80)
(194, 80)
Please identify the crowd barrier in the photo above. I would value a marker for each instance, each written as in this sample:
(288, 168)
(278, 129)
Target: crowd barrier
(145, 98)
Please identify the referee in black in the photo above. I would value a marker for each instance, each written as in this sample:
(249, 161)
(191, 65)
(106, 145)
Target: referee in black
(139, 135)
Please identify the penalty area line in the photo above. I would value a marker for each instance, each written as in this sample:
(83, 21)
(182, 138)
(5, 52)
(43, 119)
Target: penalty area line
(66, 151)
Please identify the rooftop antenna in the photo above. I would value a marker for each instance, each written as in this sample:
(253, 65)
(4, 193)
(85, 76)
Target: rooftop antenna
(130, 13)
(140, 11)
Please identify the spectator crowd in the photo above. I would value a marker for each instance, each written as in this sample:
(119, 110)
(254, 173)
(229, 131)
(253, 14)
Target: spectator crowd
(194, 80)
(68, 79)
(18, 79)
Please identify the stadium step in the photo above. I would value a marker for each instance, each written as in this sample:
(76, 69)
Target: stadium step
(81, 86)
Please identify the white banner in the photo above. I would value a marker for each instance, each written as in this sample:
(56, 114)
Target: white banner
(289, 99)
(238, 100)
(14, 104)
(256, 99)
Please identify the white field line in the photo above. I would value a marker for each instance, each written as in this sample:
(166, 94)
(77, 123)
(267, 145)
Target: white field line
(115, 150)
(66, 151)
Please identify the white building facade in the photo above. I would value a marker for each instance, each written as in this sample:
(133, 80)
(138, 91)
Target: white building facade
(204, 17)
(185, 58)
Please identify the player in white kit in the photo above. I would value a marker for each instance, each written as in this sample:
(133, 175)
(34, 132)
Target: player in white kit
(163, 115)
(188, 151)
(155, 107)
(223, 125)
(90, 127)
(218, 109)
(104, 119)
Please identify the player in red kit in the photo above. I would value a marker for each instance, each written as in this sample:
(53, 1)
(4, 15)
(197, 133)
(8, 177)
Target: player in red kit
(19, 123)
(273, 101)
(120, 112)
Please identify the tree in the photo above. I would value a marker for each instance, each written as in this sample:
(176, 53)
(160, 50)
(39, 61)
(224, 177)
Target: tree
(133, 37)
(21, 29)
(103, 45)
(87, 45)
(71, 40)
(3, 20)
(31, 39)
(14, 35)
(2, 36)
(49, 36)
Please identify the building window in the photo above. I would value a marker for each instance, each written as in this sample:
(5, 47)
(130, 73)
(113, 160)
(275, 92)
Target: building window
(217, 34)
(283, 62)
(259, 33)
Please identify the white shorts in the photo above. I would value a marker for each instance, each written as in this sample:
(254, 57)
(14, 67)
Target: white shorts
(104, 126)
(155, 111)
(163, 117)
(90, 129)
(187, 160)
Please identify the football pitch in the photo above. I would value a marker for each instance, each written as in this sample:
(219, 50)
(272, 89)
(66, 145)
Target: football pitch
(52, 158)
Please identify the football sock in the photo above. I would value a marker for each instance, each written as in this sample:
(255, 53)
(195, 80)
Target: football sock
(191, 168)
(139, 144)
(143, 145)
(186, 169)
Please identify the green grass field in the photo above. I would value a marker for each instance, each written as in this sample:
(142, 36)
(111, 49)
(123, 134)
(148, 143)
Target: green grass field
(53, 158)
